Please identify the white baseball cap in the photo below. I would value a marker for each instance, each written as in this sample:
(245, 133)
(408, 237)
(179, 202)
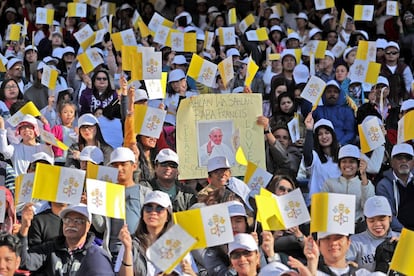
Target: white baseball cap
(92, 154)
(301, 73)
(28, 119)
(302, 15)
(158, 197)
(326, 17)
(314, 31)
(392, 44)
(87, 119)
(407, 105)
(349, 151)
(176, 75)
(122, 154)
(377, 206)
(243, 241)
(167, 155)
(322, 235)
(276, 28)
(232, 52)
(323, 122)
(140, 95)
(12, 62)
(383, 80)
(30, 47)
(276, 269)
(293, 35)
(79, 208)
(402, 148)
(42, 156)
(329, 54)
(179, 59)
(218, 162)
(236, 209)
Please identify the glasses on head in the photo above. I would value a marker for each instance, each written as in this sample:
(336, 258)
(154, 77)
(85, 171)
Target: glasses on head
(284, 189)
(392, 53)
(153, 208)
(238, 254)
(76, 221)
(169, 164)
(10, 86)
(403, 157)
(101, 79)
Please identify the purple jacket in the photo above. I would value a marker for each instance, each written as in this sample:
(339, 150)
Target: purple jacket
(89, 103)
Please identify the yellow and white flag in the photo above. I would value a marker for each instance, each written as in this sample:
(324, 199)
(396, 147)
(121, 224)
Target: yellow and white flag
(324, 4)
(392, 8)
(128, 54)
(143, 28)
(28, 108)
(227, 36)
(402, 260)
(93, 3)
(49, 138)
(24, 188)
(156, 89)
(344, 18)
(184, 42)
(136, 71)
(367, 50)
(252, 69)
(89, 60)
(99, 36)
(169, 249)
(49, 77)
(202, 70)
(103, 24)
(257, 35)
(44, 16)
(317, 47)
(77, 10)
(126, 37)
(151, 65)
(3, 63)
(232, 16)
(13, 32)
(363, 12)
(208, 40)
(24, 27)
(107, 8)
(106, 199)
(313, 90)
(226, 70)
(333, 213)
(136, 17)
(339, 48)
(371, 135)
(3, 205)
(85, 36)
(293, 127)
(157, 20)
(246, 22)
(364, 71)
(256, 178)
(149, 120)
(58, 184)
(281, 212)
(162, 34)
(103, 173)
(210, 225)
(405, 128)
(274, 56)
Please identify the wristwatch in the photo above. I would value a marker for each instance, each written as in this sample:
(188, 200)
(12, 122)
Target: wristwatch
(274, 258)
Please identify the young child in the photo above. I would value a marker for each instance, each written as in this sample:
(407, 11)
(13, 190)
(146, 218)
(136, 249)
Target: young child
(65, 132)
(378, 215)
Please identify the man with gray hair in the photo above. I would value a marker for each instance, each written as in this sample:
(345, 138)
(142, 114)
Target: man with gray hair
(214, 147)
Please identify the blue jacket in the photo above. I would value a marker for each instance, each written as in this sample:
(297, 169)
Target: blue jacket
(342, 118)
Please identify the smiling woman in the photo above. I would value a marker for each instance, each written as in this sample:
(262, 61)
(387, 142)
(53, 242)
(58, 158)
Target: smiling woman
(9, 94)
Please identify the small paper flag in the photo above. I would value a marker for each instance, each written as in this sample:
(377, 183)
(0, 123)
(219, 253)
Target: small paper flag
(402, 260)
(103, 173)
(240, 157)
(28, 108)
(24, 188)
(405, 128)
(371, 136)
(202, 70)
(149, 120)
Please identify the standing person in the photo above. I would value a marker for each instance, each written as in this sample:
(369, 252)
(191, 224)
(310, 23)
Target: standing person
(320, 153)
(215, 147)
(166, 180)
(378, 216)
(397, 186)
(73, 252)
(351, 164)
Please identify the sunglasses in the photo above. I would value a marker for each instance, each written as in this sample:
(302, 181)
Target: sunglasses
(10, 86)
(101, 79)
(169, 164)
(153, 208)
(238, 254)
(284, 189)
(76, 221)
(392, 53)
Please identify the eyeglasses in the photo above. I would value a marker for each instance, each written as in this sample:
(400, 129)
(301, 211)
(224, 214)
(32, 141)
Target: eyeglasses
(10, 86)
(238, 254)
(169, 164)
(153, 208)
(392, 53)
(284, 189)
(87, 127)
(400, 157)
(23, 127)
(282, 137)
(76, 221)
(101, 79)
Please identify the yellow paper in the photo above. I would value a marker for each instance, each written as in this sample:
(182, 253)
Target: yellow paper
(232, 16)
(319, 221)
(128, 53)
(136, 72)
(91, 170)
(403, 259)
(143, 28)
(251, 72)
(363, 140)
(262, 34)
(46, 174)
(139, 113)
(191, 221)
(240, 157)
(195, 66)
(251, 168)
(320, 49)
(30, 109)
(15, 32)
(362, 50)
(373, 72)
(269, 213)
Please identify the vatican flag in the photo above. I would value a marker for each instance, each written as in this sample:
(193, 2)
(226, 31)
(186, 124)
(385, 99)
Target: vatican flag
(93, 3)
(202, 70)
(28, 108)
(126, 37)
(363, 12)
(184, 42)
(367, 50)
(324, 4)
(157, 20)
(169, 249)
(3, 63)
(143, 28)
(156, 89)
(256, 178)
(58, 184)
(257, 35)
(333, 213)
(89, 60)
(403, 258)
(313, 90)
(208, 40)
(151, 64)
(24, 188)
(405, 128)
(392, 8)
(246, 22)
(85, 36)
(136, 17)
(44, 16)
(162, 34)
(225, 68)
(251, 72)
(77, 10)
(103, 173)
(371, 135)
(227, 36)
(317, 47)
(49, 138)
(106, 199)
(13, 32)
(210, 225)
(149, 120)
(49, 77)
(339, 48)
(232, 16)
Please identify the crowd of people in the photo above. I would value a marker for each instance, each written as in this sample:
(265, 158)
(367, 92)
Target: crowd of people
(93, 114)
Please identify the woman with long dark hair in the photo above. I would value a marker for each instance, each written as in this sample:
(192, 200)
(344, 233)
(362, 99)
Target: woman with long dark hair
(9, 94)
